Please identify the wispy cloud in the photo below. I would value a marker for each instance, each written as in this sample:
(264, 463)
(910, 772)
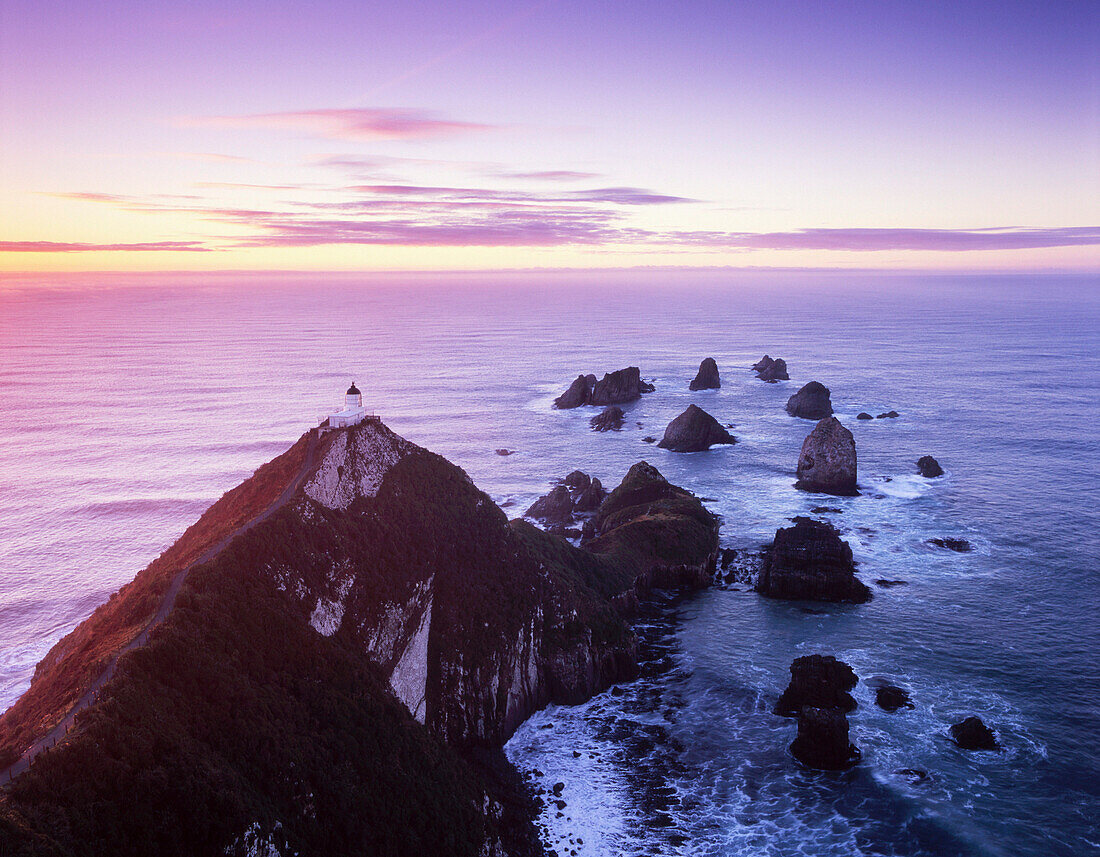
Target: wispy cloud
(349, 124)
(550, 175)
(614, 195)
(75, 247)
(874, 240)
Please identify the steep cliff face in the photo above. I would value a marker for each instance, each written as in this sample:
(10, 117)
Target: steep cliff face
(389, 567)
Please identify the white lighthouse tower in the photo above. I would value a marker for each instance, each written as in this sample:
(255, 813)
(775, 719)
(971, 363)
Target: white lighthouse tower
(353, 411)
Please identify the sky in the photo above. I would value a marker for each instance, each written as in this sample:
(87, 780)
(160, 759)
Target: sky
(171, 136)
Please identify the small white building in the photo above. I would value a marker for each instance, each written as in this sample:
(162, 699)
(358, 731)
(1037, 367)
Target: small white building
(353, 412)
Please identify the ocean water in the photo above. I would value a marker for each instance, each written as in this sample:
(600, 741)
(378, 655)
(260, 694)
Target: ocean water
(128, 407)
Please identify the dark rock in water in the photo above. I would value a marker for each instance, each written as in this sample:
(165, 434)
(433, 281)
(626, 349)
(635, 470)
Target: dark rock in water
(821, 510)
(818, 681)
(822, 740)
(610, 419)
(506, 452)
(649, 439)
(590, 498)
(553, 508)
(913, 775)
(578, 393)
(887, 584)
(891, 698)
(771, 370)
(973, 734)
(693, 431)
(863, 415)
(810, 561)
(811, 402)
(889, 415)
(707, 377)
(957, 545)
(928, 466)
(615, 388)
(578, 480)
(827, 463)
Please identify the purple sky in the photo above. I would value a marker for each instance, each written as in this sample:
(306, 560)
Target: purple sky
(434, 134)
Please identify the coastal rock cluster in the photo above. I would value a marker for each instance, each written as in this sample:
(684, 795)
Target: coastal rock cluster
(771, 370)
(615, 388)
(818, 695)
(577, 495)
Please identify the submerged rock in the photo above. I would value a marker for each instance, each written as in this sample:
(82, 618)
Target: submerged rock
(610, 419)
(649, 439)
(957, 545)
(863, 415)
(771, 370)
(707, 377)
(693, 431)
(889, 415)
(811, 562)
(890, 698)
(812, 402)
(928, 467)
(823, 741)
(827, 463)
(973, 734)
(818, 681)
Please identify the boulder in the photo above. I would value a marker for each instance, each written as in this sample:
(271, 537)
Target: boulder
(928, 467)
(578, 393)
(890, 698)
(707, 377)
(610, 419)
(615, 388)
(863, 415)
(818, 681)
(889, 415)
(810, 562)
(771, 370)
(649, 439)
(553, 508)
(973, 734)
(822, 740)
(811, 402)
(693, 431)
(827, 463)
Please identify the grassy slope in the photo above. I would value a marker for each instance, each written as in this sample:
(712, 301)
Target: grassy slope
(75, 661)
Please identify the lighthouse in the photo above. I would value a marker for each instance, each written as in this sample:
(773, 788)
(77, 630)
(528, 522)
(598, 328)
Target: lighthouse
(353, 411)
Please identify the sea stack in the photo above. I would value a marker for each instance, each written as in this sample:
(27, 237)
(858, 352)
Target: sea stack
(827, 463)
(819, 697)
(812, 402)
(823, 742)
(811, 562)
(694, 431)
(609, 419)
(707, 376)
(928, 467)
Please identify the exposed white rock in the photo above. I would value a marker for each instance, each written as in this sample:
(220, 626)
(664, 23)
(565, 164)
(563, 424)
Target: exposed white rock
(329, 612)
(355, 464)
(409, 678)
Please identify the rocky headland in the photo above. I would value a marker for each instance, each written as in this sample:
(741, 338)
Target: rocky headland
(370, 643)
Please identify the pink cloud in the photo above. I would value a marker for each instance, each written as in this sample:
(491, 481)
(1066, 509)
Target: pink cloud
(868, 239)
(349, 124)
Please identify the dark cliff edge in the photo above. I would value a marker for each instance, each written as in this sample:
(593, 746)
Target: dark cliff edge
(340, 678)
